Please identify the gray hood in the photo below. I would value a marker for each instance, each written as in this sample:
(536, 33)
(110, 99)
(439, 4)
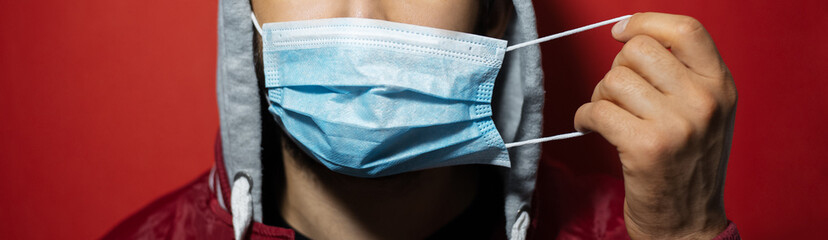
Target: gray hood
(519, 116)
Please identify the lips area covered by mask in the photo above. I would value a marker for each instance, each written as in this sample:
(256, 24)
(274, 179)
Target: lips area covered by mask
(371, 98)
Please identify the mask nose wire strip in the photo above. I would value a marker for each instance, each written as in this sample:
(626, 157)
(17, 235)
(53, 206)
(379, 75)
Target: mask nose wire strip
(256, 23)
(545, 139)
(564, 34)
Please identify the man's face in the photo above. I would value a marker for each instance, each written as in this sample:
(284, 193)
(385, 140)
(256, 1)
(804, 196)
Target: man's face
(483, 17)
(456, 15)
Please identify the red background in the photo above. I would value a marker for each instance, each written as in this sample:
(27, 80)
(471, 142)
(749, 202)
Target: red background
(107, 105)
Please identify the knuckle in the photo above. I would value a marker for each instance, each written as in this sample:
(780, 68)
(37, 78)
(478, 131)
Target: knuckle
(580, 118)
(598, 92)
(601, 111)
(638, 41)
(666, 138)
(585, 115)
(678, 131)
(704, 104)
(688, 26)
(633, 46)
(628, 50)
(617, 60)
(598, 108)
(640, 46)
(682, 129)
(615, 79)
(722, 72)
(683, 135)
(619, 80)
(652, 145)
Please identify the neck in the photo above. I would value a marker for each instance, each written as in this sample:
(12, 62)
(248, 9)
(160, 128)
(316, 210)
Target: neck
(322, 204)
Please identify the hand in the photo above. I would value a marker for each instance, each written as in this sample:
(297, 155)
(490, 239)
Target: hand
(668, 106)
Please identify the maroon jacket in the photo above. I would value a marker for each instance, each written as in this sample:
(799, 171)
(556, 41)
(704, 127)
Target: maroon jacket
(194, 212)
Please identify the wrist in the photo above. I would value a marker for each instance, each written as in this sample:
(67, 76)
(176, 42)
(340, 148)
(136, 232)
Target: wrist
(674, 225)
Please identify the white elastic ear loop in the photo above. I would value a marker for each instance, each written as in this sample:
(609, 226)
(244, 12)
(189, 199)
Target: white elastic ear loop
(547, 38)
(256, 23)
(545, 139)
(567, 33)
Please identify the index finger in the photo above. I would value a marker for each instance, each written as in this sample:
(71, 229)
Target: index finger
(685, 36)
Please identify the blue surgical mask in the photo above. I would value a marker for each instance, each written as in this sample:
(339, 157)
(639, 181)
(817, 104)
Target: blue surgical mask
(372, 98)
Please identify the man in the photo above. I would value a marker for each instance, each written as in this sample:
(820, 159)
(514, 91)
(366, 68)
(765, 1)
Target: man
(667, 104)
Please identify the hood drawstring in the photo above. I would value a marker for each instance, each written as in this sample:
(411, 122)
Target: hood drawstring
(241, 205)
(521, 226)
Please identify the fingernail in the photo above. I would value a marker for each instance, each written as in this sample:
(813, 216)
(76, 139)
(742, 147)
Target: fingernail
(620, 26)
